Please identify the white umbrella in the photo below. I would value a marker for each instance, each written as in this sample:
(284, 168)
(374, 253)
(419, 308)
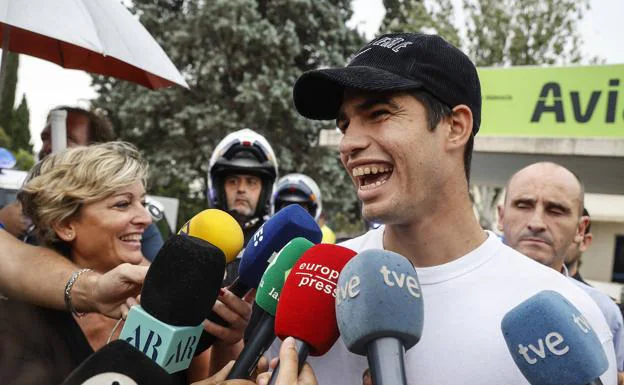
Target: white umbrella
(98, 36)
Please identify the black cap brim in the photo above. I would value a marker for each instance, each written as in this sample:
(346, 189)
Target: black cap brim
(318, 94)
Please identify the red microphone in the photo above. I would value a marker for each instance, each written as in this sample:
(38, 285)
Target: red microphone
(306, 308)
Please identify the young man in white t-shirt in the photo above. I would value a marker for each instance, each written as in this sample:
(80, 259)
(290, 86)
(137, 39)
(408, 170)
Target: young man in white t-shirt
(409, 106)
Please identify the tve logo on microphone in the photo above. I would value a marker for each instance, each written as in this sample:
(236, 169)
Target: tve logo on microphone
(373, 285)
(391, 278)
(553, 341)
(349, 290)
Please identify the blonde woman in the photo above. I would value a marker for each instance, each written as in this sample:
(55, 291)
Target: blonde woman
(87, 204)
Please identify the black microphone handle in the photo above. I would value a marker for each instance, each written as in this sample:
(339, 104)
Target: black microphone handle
(302, 353)
(238, 288)
(256, 315)
(597, 381)
(386, 361)
(206, 340)
(255, 347)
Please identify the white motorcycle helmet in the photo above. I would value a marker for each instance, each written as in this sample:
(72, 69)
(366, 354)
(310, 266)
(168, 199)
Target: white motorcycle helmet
(242, 152)
(300, 189)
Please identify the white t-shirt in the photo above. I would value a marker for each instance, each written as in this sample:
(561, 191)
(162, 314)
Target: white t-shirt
(464, 303)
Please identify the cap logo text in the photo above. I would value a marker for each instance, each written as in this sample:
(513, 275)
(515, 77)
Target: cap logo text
(393, 43)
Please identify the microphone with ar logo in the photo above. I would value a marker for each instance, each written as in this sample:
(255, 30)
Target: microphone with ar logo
(552, 343)
(180, 288)
(382, 288)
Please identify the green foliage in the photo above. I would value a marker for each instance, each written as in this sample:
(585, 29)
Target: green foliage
(24, 160)
(8, 92)
(344, 227)
(16, 133)
(5, 139)
(241, 59)
(498, 32)
(524, 32)
(416, 16)
(20, 127)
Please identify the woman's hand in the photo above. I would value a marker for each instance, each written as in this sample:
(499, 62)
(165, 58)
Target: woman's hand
(219, 378)
(289, 368)
(110, 292)
(288, 374)
(236, 312)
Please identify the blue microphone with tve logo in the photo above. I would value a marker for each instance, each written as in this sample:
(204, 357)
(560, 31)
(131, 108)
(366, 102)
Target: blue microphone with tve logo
(552, 343)
(180, 288)
(382, 288)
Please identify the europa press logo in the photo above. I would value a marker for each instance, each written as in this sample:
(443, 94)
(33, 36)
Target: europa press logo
(318, 277)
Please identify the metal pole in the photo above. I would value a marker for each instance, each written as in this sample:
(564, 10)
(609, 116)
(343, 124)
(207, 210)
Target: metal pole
(58, 130)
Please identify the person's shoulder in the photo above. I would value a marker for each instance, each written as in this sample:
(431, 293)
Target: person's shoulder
(587, 305)
(532, 277)
(372, 239)
(525, 266)
(605, 303)
(25, 324)
(151, 231)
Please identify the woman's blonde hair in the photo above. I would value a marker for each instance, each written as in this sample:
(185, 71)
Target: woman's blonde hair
(57, 187)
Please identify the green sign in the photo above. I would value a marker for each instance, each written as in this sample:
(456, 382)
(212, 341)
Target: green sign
(579, 101)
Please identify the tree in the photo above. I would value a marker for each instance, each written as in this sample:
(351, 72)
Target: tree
(24, 160)
(524, 32)
(497, 33)
(8, 92)
(20, 127)
(241, 59)
(5, 140)
(418, 16)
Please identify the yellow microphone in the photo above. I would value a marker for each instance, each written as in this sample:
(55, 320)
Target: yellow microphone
(219, 228)
(222, 231)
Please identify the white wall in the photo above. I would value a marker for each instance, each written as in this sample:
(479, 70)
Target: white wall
(598, 260)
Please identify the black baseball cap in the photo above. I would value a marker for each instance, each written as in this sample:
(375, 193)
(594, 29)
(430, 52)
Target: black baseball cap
(394, 62)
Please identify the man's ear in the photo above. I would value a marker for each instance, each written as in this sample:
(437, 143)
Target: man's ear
(501, 213)
(460, 128)
(587, 241)
(580, 229)
(64, 230)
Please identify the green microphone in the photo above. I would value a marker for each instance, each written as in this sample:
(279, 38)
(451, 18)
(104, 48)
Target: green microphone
(267, 296)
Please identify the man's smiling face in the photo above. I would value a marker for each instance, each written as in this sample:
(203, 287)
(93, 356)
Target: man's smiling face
(390, 153)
